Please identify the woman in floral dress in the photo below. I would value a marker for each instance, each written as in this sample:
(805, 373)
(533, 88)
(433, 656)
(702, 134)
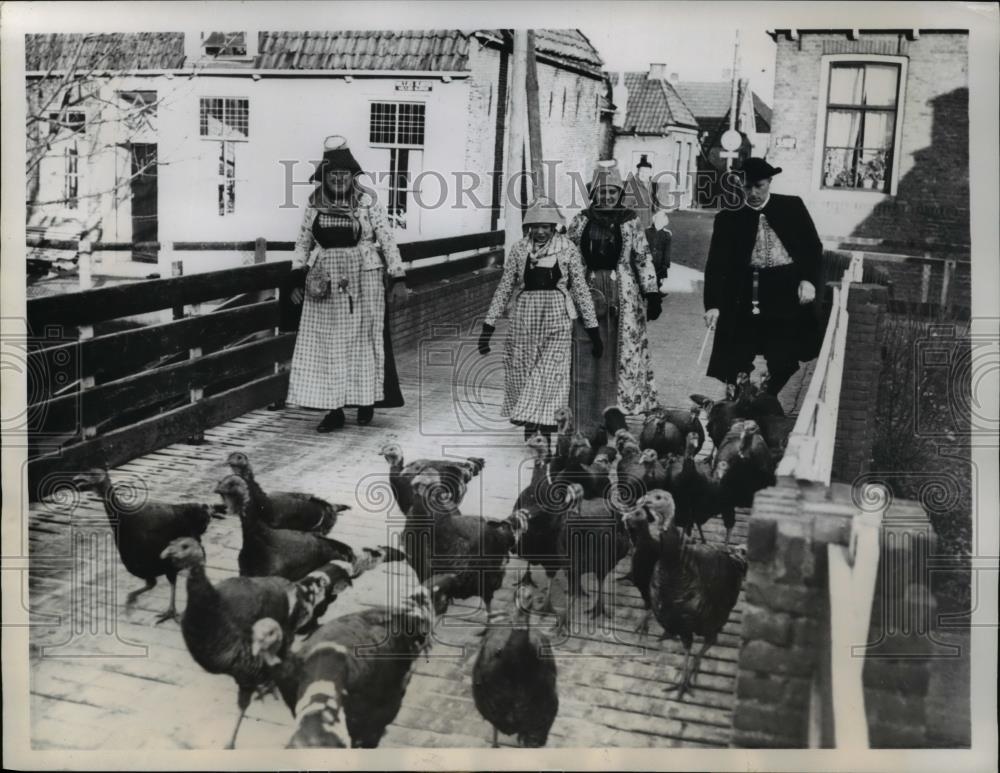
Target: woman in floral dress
(341, 357)
(623, 283)
(544, 275)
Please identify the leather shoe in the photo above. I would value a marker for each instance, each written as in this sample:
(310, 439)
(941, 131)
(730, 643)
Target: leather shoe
(333, 420)
(365, 414)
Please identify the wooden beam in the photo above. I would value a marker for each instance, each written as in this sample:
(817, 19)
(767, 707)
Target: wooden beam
(428, 248)
(127, 443)
(93, 406)
(515, 154)
(107, 303)
(112, 356)
(534, 119)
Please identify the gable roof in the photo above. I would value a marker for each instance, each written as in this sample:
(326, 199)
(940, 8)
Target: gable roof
(653, 106)
(362, 50)
(710, 102)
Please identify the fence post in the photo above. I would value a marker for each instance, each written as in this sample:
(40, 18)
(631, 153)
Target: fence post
(85, 249)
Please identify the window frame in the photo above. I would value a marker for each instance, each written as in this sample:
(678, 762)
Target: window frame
(250, 41)
(392, 191)
(853, 194)
(230, 135)
(397, 102)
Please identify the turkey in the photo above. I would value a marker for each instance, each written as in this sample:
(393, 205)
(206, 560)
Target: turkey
(218, 618)
(283, 552)
(686, 421)
(440, 540)
(695, 489)
(645, 554)
(285, 509)
(514, 676)
(661, 435)
(143, 529)
(693, 587)
(743, 466)
(536, 494)
(612, 420)
(455, 473)
(745, 400)
(655, 475)
(348, 679)
(631, 473)
(596, 540)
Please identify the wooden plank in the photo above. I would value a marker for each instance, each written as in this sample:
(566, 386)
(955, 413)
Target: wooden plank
(452, 268)
(95, 405)
(141, 438)
(118, 354)
(124, 300)
(429, 248)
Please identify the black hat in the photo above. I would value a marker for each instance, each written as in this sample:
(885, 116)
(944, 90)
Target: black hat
(756, 169)
(336, 155)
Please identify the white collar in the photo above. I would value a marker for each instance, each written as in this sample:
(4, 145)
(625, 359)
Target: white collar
(763, 204)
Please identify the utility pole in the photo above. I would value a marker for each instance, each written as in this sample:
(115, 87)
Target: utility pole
(534, 119)
(732, 104)
(515, 153)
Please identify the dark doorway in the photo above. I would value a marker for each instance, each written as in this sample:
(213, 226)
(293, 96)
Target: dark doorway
(145, 231)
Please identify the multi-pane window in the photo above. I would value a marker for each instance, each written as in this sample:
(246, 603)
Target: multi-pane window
(66, 128)
(225, 120)
(67, 123)
(138, 109)
(862, 101)
(398, 126)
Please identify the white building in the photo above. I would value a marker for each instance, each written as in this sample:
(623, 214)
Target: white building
(203, 137)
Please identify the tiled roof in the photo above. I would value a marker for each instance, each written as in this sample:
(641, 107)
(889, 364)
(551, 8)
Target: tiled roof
(416, 50)
(710, 102)
(762, 111)
(653, 105)
(105, 51)
(407, 50)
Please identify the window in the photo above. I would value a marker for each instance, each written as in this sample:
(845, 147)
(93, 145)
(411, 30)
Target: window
(860, 127)
(399, 126)
(225, 44)
(677, 162)
(225, 118)
(68, 123)
(71, 176)
(138, 109)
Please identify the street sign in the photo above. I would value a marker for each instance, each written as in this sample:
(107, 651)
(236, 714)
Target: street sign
(728, 154)
(731, 139)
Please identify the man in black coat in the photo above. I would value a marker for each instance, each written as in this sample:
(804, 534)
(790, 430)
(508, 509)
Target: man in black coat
(760, 282)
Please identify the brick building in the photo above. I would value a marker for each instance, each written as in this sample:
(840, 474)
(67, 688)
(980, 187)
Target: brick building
(195, 135)
(871, 128)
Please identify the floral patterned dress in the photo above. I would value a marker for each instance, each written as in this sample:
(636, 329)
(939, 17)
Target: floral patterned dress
(624, 376)
(340, 353)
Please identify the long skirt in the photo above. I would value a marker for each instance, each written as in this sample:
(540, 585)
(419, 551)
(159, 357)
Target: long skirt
(595, 381)
(536, 358)
(339, 357)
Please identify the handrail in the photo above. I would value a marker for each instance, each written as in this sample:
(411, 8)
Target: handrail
(809, 454)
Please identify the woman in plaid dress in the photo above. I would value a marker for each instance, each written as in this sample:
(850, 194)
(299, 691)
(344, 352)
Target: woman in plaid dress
(623, 282)
(544, 274)
(341, 357)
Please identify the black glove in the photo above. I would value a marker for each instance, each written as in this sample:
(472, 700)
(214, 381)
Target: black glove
(654, 306)
(484, 338)
(595, 339)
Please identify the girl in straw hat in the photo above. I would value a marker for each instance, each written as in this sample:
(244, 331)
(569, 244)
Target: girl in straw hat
(343, 356)
(544, 275)
(622, 279)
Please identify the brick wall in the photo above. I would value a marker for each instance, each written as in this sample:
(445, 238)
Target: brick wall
(866, 306)
(931, 207)
(460, 300)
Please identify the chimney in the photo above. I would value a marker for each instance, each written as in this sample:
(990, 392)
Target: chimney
(657, 71)
(674, 77)
(619, 96)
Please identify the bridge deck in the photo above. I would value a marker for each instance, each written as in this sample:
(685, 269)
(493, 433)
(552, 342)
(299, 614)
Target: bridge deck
(136, 687)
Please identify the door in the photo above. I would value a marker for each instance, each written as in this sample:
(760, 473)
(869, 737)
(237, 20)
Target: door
(144, 197)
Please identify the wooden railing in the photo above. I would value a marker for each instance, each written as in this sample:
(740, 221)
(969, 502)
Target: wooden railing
(837, 715)
(107, 398)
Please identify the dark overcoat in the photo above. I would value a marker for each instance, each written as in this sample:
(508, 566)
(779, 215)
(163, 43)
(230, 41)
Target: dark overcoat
(729, 281)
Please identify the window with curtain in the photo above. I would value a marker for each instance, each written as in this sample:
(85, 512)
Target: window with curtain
(225, 121)
(861, 107)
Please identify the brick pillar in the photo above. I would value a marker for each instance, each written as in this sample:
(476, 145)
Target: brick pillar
(866, 306)
(785, 613)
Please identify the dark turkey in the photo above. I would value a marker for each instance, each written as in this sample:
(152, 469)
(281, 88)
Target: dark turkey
(348, 679)
(276, 552)
(514, 676)
(218, 618)
(695, 489)
(693, 588)
(743, 466)
(454, 473)
(142, 529)
(286, 509)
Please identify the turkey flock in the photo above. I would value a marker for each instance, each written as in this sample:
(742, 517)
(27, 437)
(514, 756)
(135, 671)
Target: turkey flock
(591, 503)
